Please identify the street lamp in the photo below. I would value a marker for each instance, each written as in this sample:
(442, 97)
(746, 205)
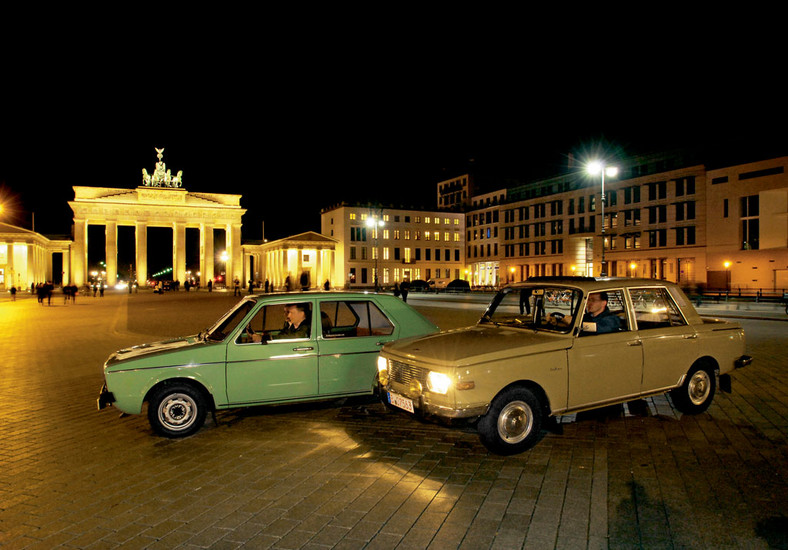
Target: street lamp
(594, 168)
(374, 224)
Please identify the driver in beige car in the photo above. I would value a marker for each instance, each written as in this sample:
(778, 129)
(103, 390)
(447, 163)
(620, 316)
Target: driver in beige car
(598, 317)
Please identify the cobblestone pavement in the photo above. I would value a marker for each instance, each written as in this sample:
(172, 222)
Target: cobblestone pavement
(354, 475)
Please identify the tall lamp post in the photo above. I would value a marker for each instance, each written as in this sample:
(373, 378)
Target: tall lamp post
(375, 224)
(594, 168)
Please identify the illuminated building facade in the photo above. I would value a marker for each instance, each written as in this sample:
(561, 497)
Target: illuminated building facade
(28, 258)
(483, 239)
(395, 245)
(722, 227)
(300, 261)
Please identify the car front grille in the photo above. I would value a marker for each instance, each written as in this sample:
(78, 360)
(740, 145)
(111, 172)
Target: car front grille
(402, 373)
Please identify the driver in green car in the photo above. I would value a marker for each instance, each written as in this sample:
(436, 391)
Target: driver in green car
(296, 322)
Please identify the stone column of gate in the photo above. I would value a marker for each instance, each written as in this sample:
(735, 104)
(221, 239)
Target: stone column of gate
(206, 254)
(247, 261)
(31, 266)
(234, 264)
(141, 256)
(66, 267)
(111, 251)
(79, 258)
(179, 251)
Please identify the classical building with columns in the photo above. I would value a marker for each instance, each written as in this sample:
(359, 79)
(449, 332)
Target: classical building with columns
(26, 258)
(307, 258)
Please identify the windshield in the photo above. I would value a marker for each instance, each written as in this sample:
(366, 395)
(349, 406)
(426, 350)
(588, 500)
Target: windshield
(229, 321)
(550, 308)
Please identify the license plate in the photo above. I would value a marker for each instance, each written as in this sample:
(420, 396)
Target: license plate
(401, 402)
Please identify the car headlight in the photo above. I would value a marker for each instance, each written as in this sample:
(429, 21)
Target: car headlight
(438, 382)
(383, 372)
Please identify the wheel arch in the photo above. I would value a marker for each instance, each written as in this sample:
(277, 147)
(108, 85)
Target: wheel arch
(537, 390)
(709, 361)
(703, 361)
(191, 382)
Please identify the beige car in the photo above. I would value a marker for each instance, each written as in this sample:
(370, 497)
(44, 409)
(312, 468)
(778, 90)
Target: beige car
(554, 346)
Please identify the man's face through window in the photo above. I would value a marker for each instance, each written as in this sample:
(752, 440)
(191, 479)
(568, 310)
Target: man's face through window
(294, 315)
(595, 304)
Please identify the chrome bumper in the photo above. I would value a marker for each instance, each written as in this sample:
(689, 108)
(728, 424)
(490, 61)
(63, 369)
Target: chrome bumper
(742, 361)
(422, 405)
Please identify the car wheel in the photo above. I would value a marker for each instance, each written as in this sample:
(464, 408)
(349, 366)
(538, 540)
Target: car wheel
(513, 423)
(696, 393)
(177, 411)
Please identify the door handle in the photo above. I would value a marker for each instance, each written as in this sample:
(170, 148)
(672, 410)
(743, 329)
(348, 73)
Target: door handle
(690, 336)
(304, 349)
(635, 343)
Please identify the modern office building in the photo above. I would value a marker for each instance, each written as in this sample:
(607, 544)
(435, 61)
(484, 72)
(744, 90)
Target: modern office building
(456, 193)
(394, 245)
(663, 218)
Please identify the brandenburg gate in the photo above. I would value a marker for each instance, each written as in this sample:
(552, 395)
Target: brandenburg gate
(159, 202)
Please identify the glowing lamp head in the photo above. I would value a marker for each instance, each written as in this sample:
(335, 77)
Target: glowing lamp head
(595, 167)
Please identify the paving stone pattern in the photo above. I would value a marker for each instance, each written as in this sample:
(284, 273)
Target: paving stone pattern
(353, 474)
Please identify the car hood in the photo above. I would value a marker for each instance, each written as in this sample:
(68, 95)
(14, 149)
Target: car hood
(473, 345)
(150, 350)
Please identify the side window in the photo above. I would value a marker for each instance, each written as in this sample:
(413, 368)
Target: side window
(605, 312)
(654, 308)
(349, 319)
(617, 306)
(278, 322)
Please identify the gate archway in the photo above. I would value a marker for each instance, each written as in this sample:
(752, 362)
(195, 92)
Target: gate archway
(144, 207)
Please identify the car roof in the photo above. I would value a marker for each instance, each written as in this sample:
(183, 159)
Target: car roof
(593, 283)
(319, 294)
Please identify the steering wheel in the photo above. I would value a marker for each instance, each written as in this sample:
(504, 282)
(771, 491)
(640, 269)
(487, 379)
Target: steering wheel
(557, 315)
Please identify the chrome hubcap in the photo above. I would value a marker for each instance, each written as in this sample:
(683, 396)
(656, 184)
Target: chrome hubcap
(699, 387)
(515, 422)
(177, 411)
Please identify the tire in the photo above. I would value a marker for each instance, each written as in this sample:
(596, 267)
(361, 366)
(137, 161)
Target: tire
(513, 424)
(697, 392)
(177, 410)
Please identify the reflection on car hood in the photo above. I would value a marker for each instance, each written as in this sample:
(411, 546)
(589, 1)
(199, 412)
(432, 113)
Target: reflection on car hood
(148, 349)
(476, 344)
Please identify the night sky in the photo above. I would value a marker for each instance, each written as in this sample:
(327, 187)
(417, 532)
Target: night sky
(297, 135)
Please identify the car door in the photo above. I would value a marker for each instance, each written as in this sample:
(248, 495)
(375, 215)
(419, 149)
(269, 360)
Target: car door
(606, 367)
(670, 345)
(352, 333)
(264, 364)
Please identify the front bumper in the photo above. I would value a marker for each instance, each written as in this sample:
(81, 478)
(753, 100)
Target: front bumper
(420, 404)
(105, 398)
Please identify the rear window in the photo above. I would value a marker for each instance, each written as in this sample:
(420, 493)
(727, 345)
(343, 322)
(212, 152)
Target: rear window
(655, 308)
(347, 319)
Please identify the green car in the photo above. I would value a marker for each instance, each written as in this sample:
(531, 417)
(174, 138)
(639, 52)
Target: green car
(268, 349)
